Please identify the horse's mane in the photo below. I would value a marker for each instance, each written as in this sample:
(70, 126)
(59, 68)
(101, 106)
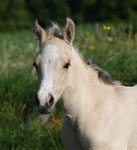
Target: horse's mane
(55, 30)
(102, 75)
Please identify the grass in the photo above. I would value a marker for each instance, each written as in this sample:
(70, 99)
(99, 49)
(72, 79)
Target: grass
(21, 128)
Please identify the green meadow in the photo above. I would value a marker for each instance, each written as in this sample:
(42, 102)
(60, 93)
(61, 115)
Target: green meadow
(112, 47)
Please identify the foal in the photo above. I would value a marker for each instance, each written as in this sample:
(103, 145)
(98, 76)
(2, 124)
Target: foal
(99, 114)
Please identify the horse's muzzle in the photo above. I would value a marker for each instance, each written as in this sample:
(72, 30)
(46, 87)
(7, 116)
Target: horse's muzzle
(43, 110)
(47, 108)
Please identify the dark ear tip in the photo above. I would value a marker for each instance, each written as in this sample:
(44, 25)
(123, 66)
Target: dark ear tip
(35, 22)
(69, 20)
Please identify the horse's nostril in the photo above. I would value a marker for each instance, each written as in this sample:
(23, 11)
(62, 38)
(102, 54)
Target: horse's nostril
(51, 101)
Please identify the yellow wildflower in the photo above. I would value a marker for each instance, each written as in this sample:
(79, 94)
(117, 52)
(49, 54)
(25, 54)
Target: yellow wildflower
(92, 47)
(87, 39)
(135, 43)
(106, 28)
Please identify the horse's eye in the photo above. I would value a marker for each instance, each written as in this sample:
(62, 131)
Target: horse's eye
(67, 65)
(34, 64)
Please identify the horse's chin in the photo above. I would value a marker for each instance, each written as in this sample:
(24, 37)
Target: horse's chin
(44, 117)
(46, 112)
(49, 111)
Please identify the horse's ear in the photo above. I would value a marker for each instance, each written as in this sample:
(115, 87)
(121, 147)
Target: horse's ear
(69, 31)
(38, 31)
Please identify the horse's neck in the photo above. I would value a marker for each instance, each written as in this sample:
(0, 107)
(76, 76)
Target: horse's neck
(84, 91)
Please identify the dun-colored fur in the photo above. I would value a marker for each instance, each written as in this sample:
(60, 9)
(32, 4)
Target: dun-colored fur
(99, 114)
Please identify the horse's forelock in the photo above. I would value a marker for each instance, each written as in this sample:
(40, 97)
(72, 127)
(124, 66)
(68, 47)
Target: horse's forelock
(55, 31)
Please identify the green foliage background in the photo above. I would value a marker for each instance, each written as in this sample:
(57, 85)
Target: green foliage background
(18, 14)
(113, 49)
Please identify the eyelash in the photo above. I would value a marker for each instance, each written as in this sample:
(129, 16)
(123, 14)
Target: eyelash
(34, 64)
(66, 66)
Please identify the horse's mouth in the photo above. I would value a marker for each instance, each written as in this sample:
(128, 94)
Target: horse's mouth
(45, 111)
